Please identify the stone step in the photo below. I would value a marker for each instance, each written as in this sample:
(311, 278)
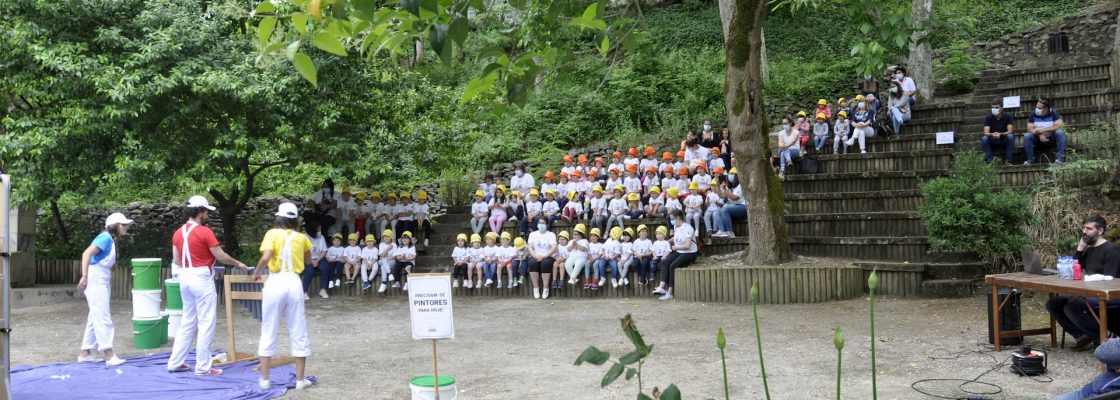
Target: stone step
(912, 249)
(1042, 73)
(454, 218)
(851, 202)
(465, 210)
(851, 225)
(978, 109)
(1060, 85)
(884, 161)
(935, 270)
(857, 181)
(948, 288)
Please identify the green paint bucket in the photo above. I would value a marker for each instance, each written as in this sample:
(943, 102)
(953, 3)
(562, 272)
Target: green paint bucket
(146, 331)
(145, 273)
(423, 388)
(164, 319)
(174, 298)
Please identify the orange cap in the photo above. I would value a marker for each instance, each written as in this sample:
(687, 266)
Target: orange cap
(718, 170)
(633, 152)
(583, 158)
(567, 158)
(563, 174)
(617, 154)
(680, 154)
(577, 173)
(650, 151)
(703, 165)
(715, 150)
(667, 156)
(683, 171)
(599, 159)
(669, 169)
(614, 170)
(651, 169)
(632, 168)
(593, 172)
(549, 175)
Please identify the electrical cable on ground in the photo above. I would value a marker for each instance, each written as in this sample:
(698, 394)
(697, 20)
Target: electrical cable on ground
(975, 389)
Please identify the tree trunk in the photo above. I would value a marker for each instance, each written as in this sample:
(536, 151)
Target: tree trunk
(62, 231)
(746, 118)
(418, 49)
(765, 61)
(921, 55)
(231, 245)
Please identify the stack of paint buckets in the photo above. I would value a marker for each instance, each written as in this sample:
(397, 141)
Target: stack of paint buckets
(149, 326)
(174, 311)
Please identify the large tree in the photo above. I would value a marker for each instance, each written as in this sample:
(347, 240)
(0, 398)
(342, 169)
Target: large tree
(921, 53)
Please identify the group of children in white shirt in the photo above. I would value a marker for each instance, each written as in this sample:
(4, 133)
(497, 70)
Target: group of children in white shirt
(387, 258)
(369, 214)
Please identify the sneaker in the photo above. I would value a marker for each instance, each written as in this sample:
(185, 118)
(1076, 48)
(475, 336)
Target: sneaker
(602, 281)
(211, 372)
(455, 284)
(513, 218)
(573, 281)
(264, 384)
(304, 384)
(625, 281)
(366, 286)
(536, 293)
(730, 234)
(89, 358)
(782, 175)
(330, 285)
(181, 368)
(396, 285)
(499, 285)
(405, 286)
(425, 242)
(614, 283)
(594, 286)
(1059, 162)
(849, 142)
(382, 288)
(510, 285)
(489, 282)
(863, 152)
(323, 293)
(665, 296)
(544, 295)
(659, 290)
(391, 278)
(115, 361)
(478, 285)
(306, 297)
(338, 282)
(586, 284)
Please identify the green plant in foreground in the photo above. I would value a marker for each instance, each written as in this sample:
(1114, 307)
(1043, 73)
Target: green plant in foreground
(758, 338)
(838, 340)
(872, 283)
(641, 350)
(721, 342)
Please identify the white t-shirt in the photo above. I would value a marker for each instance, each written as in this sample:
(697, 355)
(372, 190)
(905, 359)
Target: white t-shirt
(460, 255)
(908, 85)
(476, 254)
(318, 247)
(490, 252)
(550, 207)
(632, 184)
(574, 205)
(385, 250)
(421, 209)
(646, 163)
(347, 209)
(402, 252)
(682, 185)
(546, 186)
(500, 208)
(318, 197)
(661, 248)
(599, 205)
(612, 249)
(575, 253)
(353, 253)
(611, 183)
(627, 250)
(673, 204)
(561, 251)
(693, 202)
(682, 234)
(594, 250)
(702, 180)
(409, 211)
(488, 188)
(649, 182)
(533, 208)
(715, 162)
(541, 241)
(506, 253)
(617, 206)
(656, 200)
(480, 207)
(369, 255)
(628, 161)
(335, 253)
(694, 156)
(522, 184)
(738, 192)
(714, 201)
(642, 246)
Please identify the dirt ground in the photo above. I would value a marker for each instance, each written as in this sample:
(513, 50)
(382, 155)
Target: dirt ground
(524, 349)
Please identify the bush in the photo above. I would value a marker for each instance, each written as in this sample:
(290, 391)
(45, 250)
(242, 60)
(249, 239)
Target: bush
(456, 188)
(965, 213)
(959, 71)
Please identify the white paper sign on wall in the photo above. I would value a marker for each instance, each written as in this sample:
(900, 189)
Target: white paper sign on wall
(944, 137)
(429, 304)
(1011, 102)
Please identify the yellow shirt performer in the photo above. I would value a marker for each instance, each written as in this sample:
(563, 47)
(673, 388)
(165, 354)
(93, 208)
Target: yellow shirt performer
(284, 251)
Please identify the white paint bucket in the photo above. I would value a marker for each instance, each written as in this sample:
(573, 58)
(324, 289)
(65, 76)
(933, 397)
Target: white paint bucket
(174, 318)
(423, 388)
(145, 303)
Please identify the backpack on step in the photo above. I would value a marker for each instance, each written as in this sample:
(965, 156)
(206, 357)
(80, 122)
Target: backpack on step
(809, 165)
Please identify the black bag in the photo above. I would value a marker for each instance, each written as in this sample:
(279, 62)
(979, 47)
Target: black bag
(809, 165)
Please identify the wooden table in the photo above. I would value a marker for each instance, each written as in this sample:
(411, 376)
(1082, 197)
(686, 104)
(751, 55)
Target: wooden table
(1103, 291)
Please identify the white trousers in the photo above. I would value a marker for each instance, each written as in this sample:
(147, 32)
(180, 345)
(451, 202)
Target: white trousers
(386, 269)
(283, 296)
(99, 322)
(369, 270)
(200, 307)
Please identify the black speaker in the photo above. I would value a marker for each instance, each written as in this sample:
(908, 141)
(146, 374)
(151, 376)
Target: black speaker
(1009, 317)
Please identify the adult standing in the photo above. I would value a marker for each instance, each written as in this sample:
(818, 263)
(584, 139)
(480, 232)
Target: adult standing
(899, 104)
(683, 254)
(1044, 128)
(789, 145)
(196, 249)
(285, 252)
(326, 201)
(98, 262)
(909, 88)
(542, 248)
(999, 130)
(522, 181)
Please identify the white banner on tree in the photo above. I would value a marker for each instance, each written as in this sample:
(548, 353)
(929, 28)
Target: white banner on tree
(429, 303)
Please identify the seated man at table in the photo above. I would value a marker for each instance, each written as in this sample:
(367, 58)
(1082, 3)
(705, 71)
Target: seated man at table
(1107, 381)
(1097, 255)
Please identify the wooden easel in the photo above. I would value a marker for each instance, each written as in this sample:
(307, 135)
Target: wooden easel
(230, 295)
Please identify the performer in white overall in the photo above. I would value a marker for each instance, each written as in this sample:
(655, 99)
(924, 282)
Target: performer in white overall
(285, 251)
(196, 250)
(97, 265)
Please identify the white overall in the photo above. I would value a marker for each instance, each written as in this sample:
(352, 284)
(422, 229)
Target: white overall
(99, 323)
(200, 302)
(282, 295)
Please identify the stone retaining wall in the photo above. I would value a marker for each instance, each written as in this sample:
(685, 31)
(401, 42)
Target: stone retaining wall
(1091, 37)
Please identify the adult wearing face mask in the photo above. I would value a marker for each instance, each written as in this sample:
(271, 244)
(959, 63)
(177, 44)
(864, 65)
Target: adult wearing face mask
(734, 206)
(709, 137)
(789, 146)
(684, 253)
(1097, 255)
(1044, 128)
(899, 104)
(522, 181)
(863, 120)
(542, 249)
(325, 201)
(907, 84)
(999, 127)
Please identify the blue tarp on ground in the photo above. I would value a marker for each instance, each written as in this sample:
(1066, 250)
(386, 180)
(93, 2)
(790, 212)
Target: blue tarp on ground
(145, 377)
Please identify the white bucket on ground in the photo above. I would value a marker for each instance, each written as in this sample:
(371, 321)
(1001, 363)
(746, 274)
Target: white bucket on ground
(174, 318)
(446, 392)
(145, 303)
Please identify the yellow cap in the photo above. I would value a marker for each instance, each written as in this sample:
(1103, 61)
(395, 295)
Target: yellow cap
(619, 188)
(337, 236)
(693, 185)
(571, 195)
(502, 188)
(491, 236)
(345, 189)
(550, 192)
(859, 97)
(353, 237)
(596, 232)
(629, 232)
(475, 238)
(822, 102)
(632, 197)
(479, 193)
(655, 189)
(841, 100)
(405, 195)
(843, 114)
(421, 195)
(735, 170)
(375, 195)
(821, 116)
(462, 236)
(616, 233)
(406, 234)
(507, 236)
(673, 191)
(519, 243)
(534, 192)
(387, 232)
(581, 229)
(642, 227)
(802, 113)
(663, 230)
(391, 195)
(516, 193)
(597, 188)
(565, 235)
(361, 196)
(370, 238)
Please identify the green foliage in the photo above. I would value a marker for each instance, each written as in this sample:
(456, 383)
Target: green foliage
(1082, 173)
(971, 21)
(594, 356)
(959, 70)
(758, 338)
(965, 213)
(456, 188)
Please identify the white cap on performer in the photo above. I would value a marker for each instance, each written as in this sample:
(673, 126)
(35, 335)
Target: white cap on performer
(199, 201)
(288, 210)
(116, 218)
